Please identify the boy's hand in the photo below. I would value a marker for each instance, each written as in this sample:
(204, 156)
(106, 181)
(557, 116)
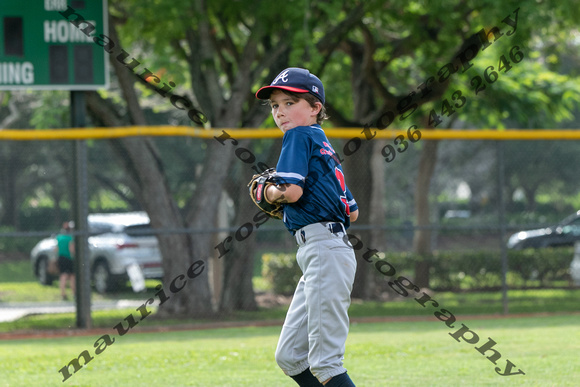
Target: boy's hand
(258, 186)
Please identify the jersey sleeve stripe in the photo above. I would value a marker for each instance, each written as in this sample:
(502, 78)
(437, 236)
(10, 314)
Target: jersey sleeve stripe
(290, 175)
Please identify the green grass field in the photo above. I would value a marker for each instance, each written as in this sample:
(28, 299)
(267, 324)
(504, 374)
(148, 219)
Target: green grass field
(378, 354)
(418, 353)
(18, 284)
(520, 301)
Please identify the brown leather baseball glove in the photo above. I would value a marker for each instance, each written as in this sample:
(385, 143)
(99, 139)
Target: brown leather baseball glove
(257, 186)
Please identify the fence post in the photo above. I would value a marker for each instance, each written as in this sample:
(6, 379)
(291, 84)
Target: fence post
(82, 264)
(502, 225)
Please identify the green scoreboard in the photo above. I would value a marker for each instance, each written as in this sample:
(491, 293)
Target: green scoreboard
(41, 49)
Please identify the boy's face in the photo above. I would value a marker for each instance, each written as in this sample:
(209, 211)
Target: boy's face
(289, 113)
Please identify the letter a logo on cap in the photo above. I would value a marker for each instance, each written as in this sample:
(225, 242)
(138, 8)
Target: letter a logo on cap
(282, 76)
(295, 80)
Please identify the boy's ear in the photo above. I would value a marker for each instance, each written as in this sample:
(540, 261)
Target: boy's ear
(318, 107)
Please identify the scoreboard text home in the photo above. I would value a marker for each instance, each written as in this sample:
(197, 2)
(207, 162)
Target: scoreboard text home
(39, 49)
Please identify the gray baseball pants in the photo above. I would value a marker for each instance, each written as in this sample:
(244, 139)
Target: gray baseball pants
(316, 325)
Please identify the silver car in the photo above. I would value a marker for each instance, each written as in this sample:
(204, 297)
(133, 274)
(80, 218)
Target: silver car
(117, 241)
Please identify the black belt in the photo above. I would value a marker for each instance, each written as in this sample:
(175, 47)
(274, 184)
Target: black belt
(335, 227)
(332, 227)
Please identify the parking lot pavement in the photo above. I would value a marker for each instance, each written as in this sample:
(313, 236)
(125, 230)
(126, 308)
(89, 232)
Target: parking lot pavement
(16, 310)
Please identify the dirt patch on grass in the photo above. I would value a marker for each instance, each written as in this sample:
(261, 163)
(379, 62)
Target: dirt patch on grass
(51, 334)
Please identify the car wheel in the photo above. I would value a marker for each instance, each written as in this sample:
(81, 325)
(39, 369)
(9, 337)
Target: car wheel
(102, 277)
(44, 276)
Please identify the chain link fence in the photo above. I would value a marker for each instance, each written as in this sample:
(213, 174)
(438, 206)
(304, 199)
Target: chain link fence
(483, 198)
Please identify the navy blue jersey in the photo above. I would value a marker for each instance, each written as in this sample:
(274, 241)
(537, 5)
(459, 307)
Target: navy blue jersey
(308, 160)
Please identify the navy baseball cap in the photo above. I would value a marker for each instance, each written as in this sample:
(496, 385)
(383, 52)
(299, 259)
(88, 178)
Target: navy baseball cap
(296, 80)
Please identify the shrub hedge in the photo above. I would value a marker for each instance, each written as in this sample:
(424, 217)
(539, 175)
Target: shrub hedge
(450, 270)
(16, 244)
(281, 271)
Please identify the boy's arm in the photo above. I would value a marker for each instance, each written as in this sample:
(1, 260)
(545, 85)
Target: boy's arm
(283, 193)
(354, 216)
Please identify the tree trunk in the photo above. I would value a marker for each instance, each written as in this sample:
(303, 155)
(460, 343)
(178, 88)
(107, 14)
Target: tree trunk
(377, 209)
(143, 164)
(11, 167)
(359, 177)
(57, 209)
(422, 237)
(357, 171)
(140, 159)
(178, 250)
(205, 202)
(238, 291)
(530, 198)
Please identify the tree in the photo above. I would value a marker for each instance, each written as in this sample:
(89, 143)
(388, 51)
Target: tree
(29, 166)
(407, 60)
(418, 58)
(531, 166)
(225, 49)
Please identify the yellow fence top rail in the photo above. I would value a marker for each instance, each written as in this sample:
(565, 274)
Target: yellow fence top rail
(346, 133)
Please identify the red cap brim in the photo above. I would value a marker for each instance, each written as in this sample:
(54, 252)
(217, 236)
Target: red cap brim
(264, 92)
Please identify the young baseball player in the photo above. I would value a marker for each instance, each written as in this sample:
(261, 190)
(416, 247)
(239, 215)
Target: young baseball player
(318, 208)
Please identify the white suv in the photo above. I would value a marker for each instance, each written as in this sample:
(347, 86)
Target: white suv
(118, 241)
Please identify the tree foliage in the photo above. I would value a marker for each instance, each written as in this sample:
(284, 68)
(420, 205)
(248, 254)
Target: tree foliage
(373, 57)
